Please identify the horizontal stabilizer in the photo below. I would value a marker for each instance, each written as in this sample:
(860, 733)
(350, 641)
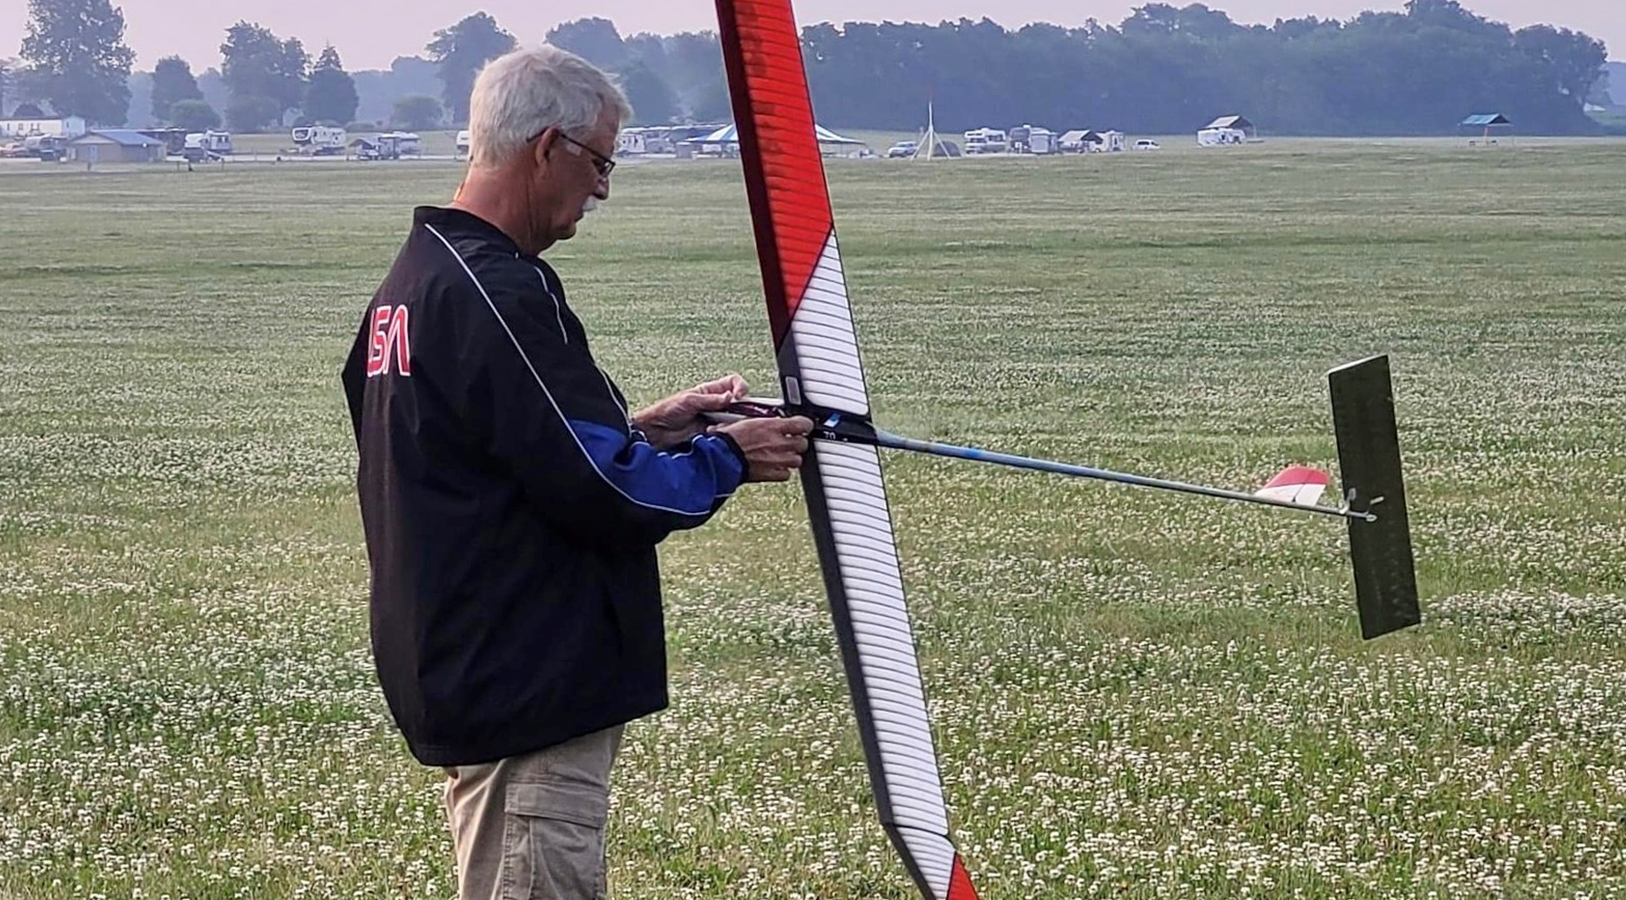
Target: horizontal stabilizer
(1296, 484)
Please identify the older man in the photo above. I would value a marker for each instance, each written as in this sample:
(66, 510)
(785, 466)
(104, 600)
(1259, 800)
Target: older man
(512, 504)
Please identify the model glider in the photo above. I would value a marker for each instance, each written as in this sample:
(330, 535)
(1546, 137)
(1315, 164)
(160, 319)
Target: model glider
(822, 377)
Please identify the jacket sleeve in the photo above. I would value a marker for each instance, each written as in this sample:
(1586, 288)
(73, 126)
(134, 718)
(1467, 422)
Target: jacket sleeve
(550, 418)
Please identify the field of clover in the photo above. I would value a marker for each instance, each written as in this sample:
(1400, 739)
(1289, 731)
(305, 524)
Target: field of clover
(1135, 695)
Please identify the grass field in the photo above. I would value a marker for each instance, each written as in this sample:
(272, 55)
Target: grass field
(1137, 695)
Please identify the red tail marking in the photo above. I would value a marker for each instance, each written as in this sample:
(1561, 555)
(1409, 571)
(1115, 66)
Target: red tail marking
(1299, 475)
(784, 171)
(960, 887)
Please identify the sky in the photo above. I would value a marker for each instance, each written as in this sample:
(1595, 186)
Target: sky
(371, 33)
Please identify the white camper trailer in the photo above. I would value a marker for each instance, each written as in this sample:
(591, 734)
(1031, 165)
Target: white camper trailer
(320, 140)
(400, 143)
(464, 142)
(986, 140)
(202, 145)
(1219, 137)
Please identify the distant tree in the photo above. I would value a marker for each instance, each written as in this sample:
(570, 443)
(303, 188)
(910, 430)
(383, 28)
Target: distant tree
(418, 112)
(594, 40)
(379, 89)
(214, 89)
(711, 103)
(251, 113)
(193, 115)
(653, 102)
(28, 110)
(1153, 18)
(647, 49)
(694, 70)
(1573, 61)
(8, 69)
(258, 64)
(331, 96)
(76, 49)
(172, 82)
(460, 51)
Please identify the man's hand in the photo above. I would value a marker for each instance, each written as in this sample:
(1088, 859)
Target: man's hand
(676, 419)
(772, 446)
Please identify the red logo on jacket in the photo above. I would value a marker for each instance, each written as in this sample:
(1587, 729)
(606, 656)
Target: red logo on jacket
(389, 341)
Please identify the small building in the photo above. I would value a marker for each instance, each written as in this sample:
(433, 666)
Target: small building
(65, 127)
(1488, 126)
(1228, 130)
(116, 145)
(1089, 141)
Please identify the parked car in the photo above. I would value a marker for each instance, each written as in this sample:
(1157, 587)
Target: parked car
(1147, 144)
(13, 150)
(902, 150)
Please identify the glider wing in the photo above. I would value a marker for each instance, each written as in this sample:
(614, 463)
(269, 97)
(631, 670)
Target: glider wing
(817, 353)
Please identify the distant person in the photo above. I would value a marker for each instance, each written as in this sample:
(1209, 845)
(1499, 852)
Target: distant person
(511, 502)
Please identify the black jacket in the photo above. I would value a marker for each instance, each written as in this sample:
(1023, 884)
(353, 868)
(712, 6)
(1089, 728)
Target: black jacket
(511, 509)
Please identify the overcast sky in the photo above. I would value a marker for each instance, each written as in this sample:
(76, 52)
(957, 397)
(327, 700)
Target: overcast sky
(370, 33)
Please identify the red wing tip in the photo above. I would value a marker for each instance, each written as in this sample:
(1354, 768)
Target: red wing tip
(960, 887)
(1299, 475)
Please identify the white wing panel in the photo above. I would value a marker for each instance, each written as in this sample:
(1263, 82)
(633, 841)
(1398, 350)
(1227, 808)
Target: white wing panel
(872, 589)
(826, 346)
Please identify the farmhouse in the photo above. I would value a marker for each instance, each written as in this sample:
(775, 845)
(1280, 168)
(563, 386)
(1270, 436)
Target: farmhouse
(116, 145)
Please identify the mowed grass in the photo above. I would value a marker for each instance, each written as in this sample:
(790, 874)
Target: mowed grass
(1136, 694)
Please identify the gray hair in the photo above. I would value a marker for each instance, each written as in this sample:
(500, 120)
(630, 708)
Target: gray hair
(521, 94)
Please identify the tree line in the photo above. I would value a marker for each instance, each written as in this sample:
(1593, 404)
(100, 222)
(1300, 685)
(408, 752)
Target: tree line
(1163, 69)
(74, 60)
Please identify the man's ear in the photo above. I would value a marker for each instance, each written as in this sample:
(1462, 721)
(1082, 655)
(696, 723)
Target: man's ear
(545, 143)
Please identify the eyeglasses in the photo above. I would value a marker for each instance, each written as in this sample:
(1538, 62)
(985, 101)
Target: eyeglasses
(602, 163)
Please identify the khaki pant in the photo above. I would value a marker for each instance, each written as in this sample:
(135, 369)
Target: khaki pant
(531, 827)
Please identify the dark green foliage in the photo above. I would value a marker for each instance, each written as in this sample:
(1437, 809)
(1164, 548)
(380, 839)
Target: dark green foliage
(249, 113)
(331, 95)
(459, 52)
(1167, 69)
(172, 82)
(594, 40)
(259, 65)
(418, 112)
(653, 102)
(193, 115)
(79, 61)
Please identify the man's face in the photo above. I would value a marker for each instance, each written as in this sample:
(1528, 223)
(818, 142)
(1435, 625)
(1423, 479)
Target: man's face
(571, 177)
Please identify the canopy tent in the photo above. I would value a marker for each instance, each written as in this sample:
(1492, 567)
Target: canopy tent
(1487, 125)
(727, 140)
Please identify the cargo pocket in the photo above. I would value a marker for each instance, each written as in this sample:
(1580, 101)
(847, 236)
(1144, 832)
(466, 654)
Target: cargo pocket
(553, 841)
